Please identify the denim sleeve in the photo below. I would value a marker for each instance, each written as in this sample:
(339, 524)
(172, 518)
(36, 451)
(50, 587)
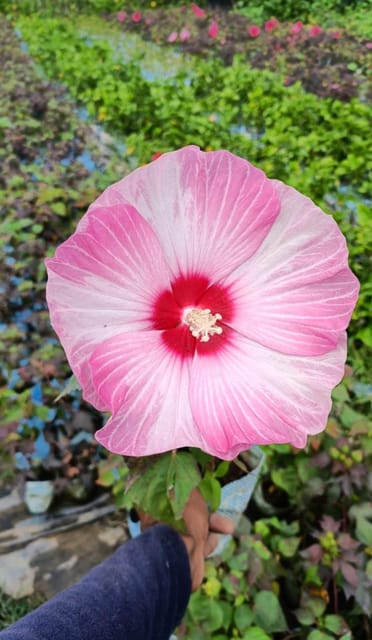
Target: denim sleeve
(139, 593)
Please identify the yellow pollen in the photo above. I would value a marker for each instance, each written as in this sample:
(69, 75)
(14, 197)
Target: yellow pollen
(202, 323)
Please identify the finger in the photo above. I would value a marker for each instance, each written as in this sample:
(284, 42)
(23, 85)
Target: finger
(197, 568)
(210, 544)
(196, 516)
(189, 543)
(220, 524)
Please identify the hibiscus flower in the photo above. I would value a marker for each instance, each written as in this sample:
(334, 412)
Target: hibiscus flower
(204, 305)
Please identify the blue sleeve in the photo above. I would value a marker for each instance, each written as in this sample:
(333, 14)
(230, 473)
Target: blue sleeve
(139, 593)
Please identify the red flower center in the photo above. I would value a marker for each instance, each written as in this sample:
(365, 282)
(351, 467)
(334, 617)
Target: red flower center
(191, 293)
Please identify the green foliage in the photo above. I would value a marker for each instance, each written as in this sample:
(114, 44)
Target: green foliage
(44, 189)
(66, 7)
(11, 610)
(268, 612)
(297, 9)
(162, 485)
(162, 488)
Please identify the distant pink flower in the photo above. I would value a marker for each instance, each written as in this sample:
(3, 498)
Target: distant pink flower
(213, 29)
(172, 36)
(271, 24)
(336, 35)
(121, 16)
(369, 45)
(136, 16)
(198, 11)
(297, 27)
(315, 30)
(185, 35)
(203, 311)
(254, 31)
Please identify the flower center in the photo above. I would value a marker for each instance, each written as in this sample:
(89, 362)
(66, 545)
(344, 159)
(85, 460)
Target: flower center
(202, 323)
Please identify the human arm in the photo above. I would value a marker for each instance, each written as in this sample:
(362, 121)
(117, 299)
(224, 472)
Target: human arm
(139, 593)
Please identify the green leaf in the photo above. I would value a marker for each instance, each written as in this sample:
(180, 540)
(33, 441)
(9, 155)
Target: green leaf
(71, 385)
(256, 633)
(336, 624)
(312, 577)
(319, 635)
(369, 570)
(305, 616)
(364, 531)
(59, 208)
(262, 551)
(215, 615)
(183, 476)
(163, 488)
(243, 617)
(305, 470)
(207, 611)
(222, 469)
(340, 393)
(349, 417)
(200, 456)
(25, 285)
(49, 194)
(268, 613)
(288, 546)
(5, 123)
(227, 610)
(106, 478)
(211, 490)
(149, 491)
(316, 605)
(239, 561)
(37, 228)
(285, 479)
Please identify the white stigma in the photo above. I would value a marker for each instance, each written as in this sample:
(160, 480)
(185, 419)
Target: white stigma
(202, 323)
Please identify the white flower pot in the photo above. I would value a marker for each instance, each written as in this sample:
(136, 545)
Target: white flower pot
(38, 495)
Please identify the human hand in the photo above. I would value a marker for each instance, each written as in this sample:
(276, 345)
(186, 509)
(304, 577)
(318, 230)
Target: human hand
(200, 537)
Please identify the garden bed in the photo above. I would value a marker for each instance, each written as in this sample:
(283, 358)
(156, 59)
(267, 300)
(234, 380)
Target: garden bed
(327, 62)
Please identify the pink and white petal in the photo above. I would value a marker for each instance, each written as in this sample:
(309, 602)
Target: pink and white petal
(102, 281)
(146, 385)
(246, 394)
(297, 293)
(211, 211)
